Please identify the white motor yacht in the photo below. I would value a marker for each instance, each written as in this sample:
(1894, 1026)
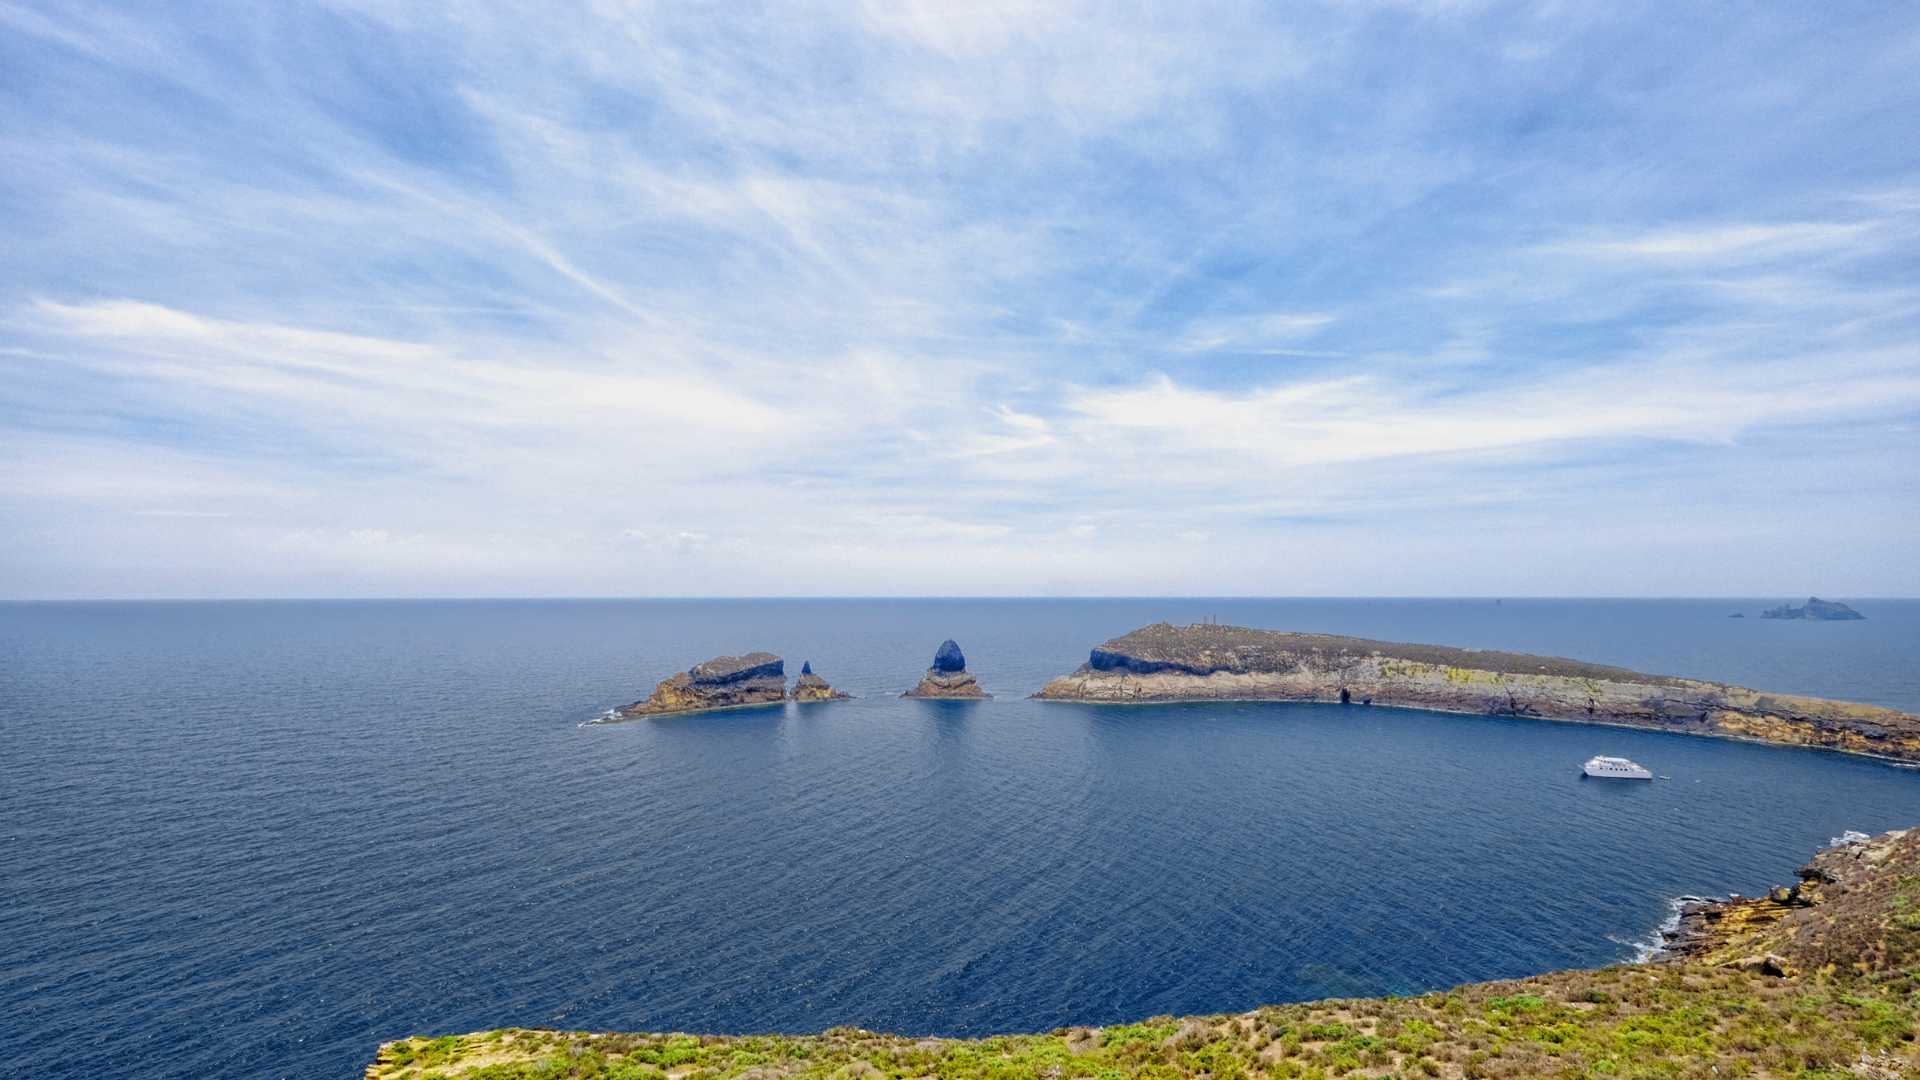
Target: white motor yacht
(1615, 768)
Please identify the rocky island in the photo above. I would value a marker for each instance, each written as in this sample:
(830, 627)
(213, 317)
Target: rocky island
(1210, 662)
(1815, 609)
(811, 687)
(948, 677)
(1823, 988)
(724, 682)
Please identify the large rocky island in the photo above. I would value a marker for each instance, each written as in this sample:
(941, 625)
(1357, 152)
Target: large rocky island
(1818, 985)
(1210, 662)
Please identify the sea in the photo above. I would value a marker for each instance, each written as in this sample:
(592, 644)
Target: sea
(257, 839)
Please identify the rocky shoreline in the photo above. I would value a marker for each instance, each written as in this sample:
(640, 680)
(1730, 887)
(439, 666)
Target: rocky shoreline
(1810, 924)
(1211, 662)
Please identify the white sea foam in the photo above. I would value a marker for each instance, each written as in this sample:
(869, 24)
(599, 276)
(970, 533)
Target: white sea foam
(1648, 947)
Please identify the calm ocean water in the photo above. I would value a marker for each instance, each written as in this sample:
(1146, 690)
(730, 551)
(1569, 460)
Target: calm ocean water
(256, 839)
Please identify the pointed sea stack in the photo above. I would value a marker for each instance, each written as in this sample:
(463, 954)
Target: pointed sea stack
(811, 687)
(724, 682)
(948, 677)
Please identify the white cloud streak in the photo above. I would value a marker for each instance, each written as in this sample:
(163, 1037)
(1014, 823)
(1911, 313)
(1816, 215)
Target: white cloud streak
(910, 298)
(1722, 243)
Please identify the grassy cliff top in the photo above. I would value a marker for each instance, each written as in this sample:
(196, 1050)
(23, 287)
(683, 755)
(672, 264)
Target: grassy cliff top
(1848, 1008)
(1202, 648)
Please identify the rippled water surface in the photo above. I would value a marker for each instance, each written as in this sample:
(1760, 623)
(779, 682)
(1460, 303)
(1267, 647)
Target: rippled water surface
(257, 839)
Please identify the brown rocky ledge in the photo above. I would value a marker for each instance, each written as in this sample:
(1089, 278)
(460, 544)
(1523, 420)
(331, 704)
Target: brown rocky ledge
(1841, 917)
(948, 677)
(724, 682)
(1202, 662)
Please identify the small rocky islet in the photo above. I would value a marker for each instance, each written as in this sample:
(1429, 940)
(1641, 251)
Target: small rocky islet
(759, 678)
(811, 687)
(948, 677)
(730, 682)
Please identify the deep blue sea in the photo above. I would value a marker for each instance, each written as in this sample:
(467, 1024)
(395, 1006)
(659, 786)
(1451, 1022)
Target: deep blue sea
(257, 839)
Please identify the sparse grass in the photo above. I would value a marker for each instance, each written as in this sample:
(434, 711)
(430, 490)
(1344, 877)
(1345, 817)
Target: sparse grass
(1626, 1022)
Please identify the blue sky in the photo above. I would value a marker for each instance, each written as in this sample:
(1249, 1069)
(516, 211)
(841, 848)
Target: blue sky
(388, 299)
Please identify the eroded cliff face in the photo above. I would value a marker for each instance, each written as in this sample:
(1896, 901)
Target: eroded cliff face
(724, 682)
(1211, 662)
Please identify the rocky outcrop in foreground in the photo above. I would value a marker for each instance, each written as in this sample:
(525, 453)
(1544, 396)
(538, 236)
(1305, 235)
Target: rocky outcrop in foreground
(1816, 609)
(948, 677)
(724, 682)
(1208, 662)
(811, 687)
(1844, 1007)
(1853, 911)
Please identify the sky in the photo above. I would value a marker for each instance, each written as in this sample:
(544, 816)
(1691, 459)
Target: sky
(623, 299)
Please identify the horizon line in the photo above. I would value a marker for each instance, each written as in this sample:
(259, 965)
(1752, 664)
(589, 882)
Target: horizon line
(691, 598)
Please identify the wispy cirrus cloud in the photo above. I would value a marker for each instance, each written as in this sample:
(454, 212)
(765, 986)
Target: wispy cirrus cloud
(1261, 333)
(395, 298)
(1339, 421)
(1747, 241)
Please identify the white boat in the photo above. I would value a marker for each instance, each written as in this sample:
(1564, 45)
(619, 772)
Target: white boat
(1615, 768)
